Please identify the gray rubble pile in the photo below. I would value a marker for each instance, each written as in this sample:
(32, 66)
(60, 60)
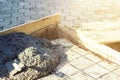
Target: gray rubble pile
(23, 57)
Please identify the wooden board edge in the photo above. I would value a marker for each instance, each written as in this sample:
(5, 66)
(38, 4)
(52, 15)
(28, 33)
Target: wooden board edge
(35, 25)
(100, 49)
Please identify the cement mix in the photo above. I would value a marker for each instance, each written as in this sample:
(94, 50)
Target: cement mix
(23, 57)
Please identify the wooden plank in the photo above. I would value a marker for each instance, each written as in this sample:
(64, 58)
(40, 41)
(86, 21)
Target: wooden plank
(80, 40)
(103, 36)
(36, 25)
(99, 49)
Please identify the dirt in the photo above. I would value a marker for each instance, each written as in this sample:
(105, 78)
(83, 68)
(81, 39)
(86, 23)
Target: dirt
(23, 57)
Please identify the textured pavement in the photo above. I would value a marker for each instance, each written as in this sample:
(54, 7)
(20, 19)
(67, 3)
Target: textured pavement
(73, 12)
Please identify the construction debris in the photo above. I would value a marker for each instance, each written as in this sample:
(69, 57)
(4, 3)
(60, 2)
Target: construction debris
(23, 57)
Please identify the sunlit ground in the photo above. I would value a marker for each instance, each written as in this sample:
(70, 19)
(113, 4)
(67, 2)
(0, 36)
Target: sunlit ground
(93, 14)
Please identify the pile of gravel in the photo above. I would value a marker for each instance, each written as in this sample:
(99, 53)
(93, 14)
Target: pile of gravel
(23, 57)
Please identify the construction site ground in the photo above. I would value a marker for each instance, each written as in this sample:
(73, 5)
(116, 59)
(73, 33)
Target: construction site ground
(80, 64)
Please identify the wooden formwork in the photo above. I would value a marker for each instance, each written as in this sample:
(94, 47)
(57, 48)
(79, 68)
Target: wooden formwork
(101, 42)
